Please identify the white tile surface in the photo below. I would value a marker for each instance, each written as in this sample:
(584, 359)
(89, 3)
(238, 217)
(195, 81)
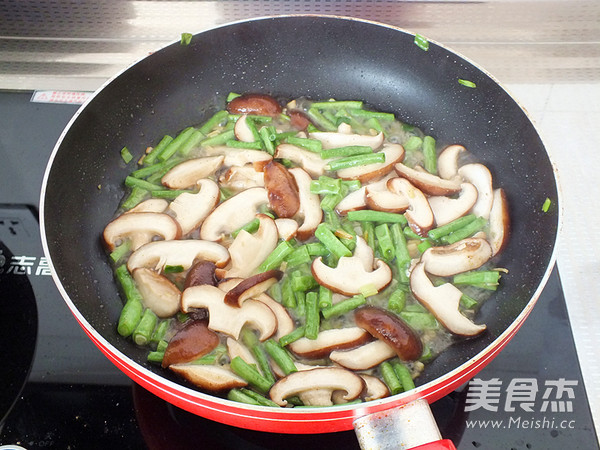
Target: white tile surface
(568, 118)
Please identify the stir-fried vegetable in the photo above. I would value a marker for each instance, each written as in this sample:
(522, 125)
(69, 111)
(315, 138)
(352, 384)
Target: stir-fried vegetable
(313, 254)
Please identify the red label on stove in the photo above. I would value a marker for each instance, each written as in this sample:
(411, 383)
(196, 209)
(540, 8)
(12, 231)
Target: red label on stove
(68, 97)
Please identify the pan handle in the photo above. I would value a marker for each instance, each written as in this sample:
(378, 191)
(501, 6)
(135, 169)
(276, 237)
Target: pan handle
(410, 426)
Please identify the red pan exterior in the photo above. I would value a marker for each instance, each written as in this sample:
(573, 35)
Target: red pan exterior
(317, 57)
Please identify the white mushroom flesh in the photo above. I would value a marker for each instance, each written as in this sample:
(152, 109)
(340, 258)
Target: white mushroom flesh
(181, 246)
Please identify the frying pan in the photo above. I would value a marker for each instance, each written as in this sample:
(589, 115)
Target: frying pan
(318, 57)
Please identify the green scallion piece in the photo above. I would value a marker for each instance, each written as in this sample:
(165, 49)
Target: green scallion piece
(126, 155)
(467, 83)
(546, 205)
(186, 38)
(421, 42)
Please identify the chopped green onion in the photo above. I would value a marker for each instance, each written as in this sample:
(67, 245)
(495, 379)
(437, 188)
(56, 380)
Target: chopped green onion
(173, 269)
(467, 83)
(186, 38)
(231, 96)
(421, 42)
(126, 155)
(546, 205)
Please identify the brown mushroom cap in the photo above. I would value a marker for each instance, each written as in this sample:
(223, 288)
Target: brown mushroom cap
(281, 187)
(191, 342)
(257, 104)
(392, 330)
(252, 287)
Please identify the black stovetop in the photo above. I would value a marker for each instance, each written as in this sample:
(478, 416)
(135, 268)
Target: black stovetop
(69, 396)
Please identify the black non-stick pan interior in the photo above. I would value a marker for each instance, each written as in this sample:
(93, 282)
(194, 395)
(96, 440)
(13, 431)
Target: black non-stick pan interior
(288, 57)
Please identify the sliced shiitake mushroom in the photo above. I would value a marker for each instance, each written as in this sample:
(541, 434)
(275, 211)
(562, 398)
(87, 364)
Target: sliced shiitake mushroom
(257, 104)
(389, 328)
(191, 342)
(281, 187)
(252, 287)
